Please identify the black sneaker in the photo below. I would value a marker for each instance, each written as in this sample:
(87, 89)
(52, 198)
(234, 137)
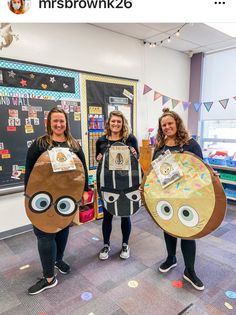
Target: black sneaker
(168, 264)
(42, 285)
(192, 278)
(62, 267)
(104, 253)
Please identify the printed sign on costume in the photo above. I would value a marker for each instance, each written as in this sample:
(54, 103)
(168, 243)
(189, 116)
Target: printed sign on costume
(119, 158)
(167, 169)
(61, 159)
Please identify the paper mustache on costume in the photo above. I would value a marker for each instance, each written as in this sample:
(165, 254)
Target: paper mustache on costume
(192, 206)
(118, 179)
(52, 198)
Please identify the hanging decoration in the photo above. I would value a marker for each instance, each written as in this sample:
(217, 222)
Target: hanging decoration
(156, 95)
(197, 106)
(174, 102)
(165, 99)
(224, 102)
(146, 89)
(208, 105)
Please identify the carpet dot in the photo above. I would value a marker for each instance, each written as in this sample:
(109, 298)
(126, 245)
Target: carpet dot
(133, 284)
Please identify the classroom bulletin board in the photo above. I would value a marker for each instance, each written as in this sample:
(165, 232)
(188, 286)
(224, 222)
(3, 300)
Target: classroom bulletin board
(28, 91)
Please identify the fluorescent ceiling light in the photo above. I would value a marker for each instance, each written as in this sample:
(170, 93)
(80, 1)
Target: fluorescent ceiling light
(227, 28)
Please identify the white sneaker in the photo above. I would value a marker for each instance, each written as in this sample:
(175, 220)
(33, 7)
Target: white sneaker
(125, 251)
(104, 253)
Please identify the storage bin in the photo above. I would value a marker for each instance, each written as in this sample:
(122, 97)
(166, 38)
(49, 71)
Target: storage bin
(214, 161)
(90, 197)
(86, 214)
(230, 192)
(228, 176)
(230, 163)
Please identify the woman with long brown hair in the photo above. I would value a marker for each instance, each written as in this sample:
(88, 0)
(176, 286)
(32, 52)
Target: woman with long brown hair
(51, 246)
(172, 135)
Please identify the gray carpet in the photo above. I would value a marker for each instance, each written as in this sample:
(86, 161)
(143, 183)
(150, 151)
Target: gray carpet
(97, 287)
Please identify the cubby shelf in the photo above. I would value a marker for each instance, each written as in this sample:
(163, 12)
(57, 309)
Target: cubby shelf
(230, 191)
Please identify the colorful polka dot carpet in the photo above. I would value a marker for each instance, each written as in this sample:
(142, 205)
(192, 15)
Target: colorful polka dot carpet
(119, 287)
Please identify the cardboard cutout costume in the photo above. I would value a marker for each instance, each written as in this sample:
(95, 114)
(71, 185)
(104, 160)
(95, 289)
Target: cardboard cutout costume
(119, 189)
(192, 206)
(52, 198)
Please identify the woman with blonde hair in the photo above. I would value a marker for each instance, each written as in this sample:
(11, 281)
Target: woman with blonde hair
(172, 135)
(116, 130)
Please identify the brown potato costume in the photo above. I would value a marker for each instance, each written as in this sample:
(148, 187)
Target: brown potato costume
(191, 207)
(52, 198)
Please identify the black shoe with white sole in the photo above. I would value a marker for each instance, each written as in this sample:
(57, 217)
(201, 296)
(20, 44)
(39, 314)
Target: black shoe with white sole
(168, 264)
(192, 278)
(63, 267)
(42, 285)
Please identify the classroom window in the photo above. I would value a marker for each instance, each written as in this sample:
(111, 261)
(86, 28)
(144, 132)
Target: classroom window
(219, 135)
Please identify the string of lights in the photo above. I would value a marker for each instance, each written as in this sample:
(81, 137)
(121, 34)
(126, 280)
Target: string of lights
(167, 39)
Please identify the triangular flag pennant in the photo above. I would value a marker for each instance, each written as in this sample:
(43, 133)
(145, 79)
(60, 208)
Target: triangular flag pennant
(224, 102)
(165, 99)
(208, 105)
(197, 106)
(174, 102)
(156, 95)
(146, 89)
(186, 105)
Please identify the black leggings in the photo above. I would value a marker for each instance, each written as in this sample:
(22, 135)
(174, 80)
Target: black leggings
(107, 227)
(188, 248)
(51, 247)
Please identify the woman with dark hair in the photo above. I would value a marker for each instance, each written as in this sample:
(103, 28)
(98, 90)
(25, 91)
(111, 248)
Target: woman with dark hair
(51, 246)
(116, 130)
(172, 135)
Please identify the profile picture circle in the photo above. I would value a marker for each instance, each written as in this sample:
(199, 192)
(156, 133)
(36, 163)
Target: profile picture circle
(19, 6)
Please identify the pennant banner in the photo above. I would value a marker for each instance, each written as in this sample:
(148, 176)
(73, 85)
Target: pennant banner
(224, 102)
(197, 106)
(156, 95)
(174, 102)
(208, 105)
(186, 105)
(146, 89)
(165, 99)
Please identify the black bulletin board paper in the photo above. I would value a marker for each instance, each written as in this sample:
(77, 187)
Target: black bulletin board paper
(105, 95)
(15, 143)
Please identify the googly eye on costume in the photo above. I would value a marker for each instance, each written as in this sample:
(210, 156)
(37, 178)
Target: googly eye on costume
(110, 197)
(65, 206)
(164, 210)
(134, 195)
(40, 202)
(188, 216)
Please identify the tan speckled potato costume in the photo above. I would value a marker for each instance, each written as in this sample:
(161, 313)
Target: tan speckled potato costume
(191, 207)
